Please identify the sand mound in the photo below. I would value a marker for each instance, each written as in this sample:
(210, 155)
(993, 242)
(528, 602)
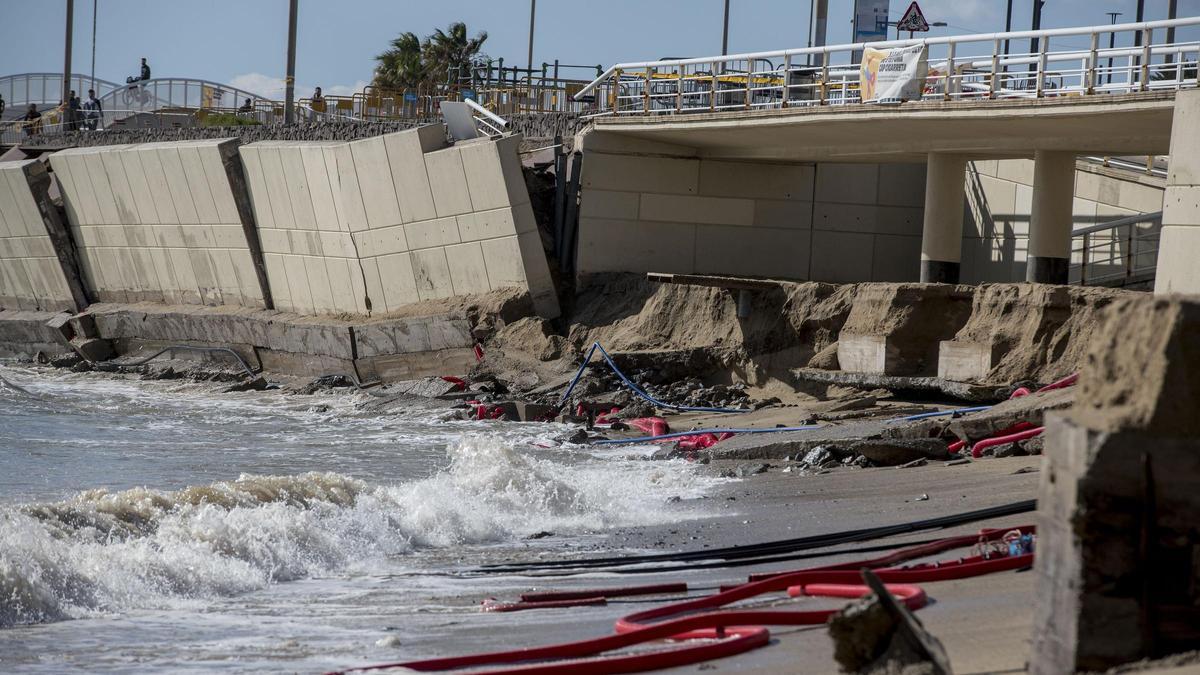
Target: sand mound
(913, 317)
(787, 326)
(1038, 332)
(1140, 370)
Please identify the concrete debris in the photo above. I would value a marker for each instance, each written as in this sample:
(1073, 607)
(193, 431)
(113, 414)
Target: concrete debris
(1002, 416)
(917, 387)
(893, 452)
(876, 634)
(428, 387)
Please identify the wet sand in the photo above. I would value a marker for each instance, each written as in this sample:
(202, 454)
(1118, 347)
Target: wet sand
(984, 622)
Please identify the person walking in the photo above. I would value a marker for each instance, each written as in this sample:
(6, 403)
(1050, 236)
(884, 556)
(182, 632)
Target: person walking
(93, 110)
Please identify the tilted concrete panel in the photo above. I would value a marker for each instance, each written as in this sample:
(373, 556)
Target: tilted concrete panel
(375, 180)
(448, 181)
(38, 270)
(360, 257)
(160, 222)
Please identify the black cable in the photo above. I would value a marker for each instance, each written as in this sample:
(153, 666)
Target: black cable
(782, 546)
(747, 562)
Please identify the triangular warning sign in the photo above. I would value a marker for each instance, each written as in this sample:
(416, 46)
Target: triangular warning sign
(913, 20)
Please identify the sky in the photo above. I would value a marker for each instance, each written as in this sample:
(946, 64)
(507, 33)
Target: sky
(243, 43)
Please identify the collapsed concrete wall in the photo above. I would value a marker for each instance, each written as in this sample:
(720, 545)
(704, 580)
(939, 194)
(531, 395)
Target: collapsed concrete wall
(37, 259)
(163, 222)
(655, 207)
(374, 225)
(1118, 543)
(1000, 200)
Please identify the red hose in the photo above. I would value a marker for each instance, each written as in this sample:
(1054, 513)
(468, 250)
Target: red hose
(978, 448)
(726, 633)
(1061, 384)
(1019, 392)
(782, 582)
(738, 639)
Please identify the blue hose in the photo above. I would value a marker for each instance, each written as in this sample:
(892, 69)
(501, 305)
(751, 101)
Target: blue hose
(636, 389)
(942, 413)
(680, 434)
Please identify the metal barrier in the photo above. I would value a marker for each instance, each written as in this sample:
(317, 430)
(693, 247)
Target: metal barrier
(45, 89)
(964, 67)
(1122, 252)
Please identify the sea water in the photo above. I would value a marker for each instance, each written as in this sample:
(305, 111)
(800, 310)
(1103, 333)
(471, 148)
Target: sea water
(169, 526)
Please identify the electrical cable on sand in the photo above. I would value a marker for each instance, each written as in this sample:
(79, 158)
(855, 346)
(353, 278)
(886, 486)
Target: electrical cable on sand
(768, 548)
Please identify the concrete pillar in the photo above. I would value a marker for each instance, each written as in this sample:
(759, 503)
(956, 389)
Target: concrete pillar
(1051, 222)
(1179, 242)
(941, 238)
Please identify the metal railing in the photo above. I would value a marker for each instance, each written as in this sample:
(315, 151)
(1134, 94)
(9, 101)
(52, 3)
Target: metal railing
(1122, 252)
(964, 67)
(45, 89)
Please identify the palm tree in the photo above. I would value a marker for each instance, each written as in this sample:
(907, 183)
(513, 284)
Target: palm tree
(410, 62)
(400, 67)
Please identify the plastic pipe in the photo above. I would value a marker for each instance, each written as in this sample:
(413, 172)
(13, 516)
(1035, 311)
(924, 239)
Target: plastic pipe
(978, 448)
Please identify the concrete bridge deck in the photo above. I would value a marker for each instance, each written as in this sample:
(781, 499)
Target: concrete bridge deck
(1136, 123)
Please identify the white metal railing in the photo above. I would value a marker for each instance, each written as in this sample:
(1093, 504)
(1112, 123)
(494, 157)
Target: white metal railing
(487, 121)
(962, 67)
(1119, 252)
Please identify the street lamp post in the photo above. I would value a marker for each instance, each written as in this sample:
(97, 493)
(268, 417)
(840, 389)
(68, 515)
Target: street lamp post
(725, 32)
(529, 67)
(289, 102)
(1112, 41)
(66, 81)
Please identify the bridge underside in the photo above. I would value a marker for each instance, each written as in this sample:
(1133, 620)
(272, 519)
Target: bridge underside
(1131, 124)
(863, 192)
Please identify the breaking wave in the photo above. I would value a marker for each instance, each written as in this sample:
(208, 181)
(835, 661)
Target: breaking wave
(104, 552)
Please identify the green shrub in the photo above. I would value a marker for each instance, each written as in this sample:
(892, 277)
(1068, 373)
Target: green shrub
(228, 120)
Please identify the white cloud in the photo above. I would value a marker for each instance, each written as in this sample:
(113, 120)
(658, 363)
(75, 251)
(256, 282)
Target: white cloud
(273, 88)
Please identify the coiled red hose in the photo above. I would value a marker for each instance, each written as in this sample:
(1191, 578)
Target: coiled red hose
(978, 448)
(728, 632)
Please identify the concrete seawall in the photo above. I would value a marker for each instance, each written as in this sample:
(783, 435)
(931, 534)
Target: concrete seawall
(37, 260)
(371, 226)
(163, 222)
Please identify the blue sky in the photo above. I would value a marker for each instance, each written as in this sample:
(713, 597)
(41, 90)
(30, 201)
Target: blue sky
(243, 42)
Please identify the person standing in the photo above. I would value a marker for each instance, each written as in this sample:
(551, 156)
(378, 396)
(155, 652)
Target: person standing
(74, 112)
(1, 106)
(94, 110)
(145, 70)
(32, 121)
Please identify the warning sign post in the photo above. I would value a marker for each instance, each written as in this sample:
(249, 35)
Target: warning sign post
(913, 20)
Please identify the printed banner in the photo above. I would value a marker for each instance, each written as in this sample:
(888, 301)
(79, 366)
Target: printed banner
(893, 74)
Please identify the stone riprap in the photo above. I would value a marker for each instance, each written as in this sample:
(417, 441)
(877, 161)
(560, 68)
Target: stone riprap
(370, 226)
(36, 260)
(162, 222)
(529, 125)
